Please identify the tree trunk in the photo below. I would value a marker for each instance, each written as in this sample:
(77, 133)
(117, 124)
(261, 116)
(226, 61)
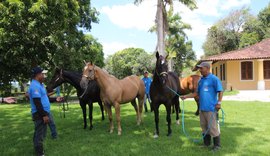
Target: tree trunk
(160, 28)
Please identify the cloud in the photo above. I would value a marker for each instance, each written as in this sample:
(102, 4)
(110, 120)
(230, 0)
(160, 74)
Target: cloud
(112, 47)
(141, 17)
(229, 4)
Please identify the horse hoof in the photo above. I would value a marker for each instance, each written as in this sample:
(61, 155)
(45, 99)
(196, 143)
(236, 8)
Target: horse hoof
(111, 131)
(197, 113)
(102, 118)
(178, 122)
(119, 133)
(169, 134)
(155, 136)
(91, 127)
(84, 127)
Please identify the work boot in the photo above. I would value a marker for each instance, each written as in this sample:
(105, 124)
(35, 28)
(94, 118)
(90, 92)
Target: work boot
(217, 145)
(207, 140)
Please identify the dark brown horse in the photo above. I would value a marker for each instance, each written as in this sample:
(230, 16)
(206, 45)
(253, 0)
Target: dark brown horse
(91, 95)
(189, 85)
(161, 92)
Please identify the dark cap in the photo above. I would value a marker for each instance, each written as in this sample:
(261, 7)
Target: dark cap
(36, 71)
(145, 72)
(204, 64)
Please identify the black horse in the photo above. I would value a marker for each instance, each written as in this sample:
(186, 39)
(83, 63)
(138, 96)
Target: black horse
(161, 92)
(92, 94)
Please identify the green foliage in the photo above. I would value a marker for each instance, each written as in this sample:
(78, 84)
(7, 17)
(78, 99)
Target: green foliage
(238, 30)
(246, 132)
(44, 33)
(128, 62)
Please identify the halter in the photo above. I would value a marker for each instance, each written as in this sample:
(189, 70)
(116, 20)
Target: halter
(61, 76)
(87, 76)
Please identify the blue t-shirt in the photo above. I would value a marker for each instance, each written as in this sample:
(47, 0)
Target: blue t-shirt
(147, 82)
(37, 90)
(208, 88)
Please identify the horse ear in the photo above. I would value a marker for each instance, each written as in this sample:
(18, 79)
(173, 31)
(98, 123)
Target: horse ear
(91, 63)
(157, 55)
(84, 62)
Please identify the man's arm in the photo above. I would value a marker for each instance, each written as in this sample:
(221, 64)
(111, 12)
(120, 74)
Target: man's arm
(218, 105)
(40, 110)
(192, 95)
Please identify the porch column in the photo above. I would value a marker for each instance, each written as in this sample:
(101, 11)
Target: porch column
(260, 83)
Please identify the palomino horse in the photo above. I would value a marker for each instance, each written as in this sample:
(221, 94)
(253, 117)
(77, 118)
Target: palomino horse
(164, 90)
(189, 85)
(114, 92)
(92, 94)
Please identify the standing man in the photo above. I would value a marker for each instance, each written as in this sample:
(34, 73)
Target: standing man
(40, 108)
(210, 95)
(147, 82)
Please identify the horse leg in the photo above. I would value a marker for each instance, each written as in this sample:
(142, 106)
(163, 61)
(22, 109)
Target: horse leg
(198, 104)
(133, 102)
(156, 112)
(91, 114)
(117, 113)
(109, 110)
(101, 109)
(177, 108)
(168, 110)
(141, 101)
(83, 106)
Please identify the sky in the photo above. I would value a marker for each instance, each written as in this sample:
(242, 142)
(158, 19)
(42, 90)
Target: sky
(123, 24)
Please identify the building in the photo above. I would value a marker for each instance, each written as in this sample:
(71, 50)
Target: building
(243, 69)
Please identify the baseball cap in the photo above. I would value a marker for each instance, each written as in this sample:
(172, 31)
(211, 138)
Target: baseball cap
(145, 72)
(204, 64)
(36, 70)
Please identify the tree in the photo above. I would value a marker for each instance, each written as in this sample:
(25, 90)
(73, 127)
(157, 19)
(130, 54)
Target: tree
(161, 20)
(39, 33)
(264, 18)
(128, 62)
(225, 35)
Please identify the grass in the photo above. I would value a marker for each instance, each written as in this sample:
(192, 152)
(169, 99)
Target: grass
(246, 132)
(230, 93)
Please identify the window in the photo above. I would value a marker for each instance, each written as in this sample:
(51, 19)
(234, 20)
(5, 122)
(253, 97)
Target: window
(266, 69)
(224, 76)
(220, 71)
(247, 70)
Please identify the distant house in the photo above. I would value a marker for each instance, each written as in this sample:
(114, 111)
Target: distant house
(243, 69)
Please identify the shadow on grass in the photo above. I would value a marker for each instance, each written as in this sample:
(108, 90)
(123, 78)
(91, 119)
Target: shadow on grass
(17, 130)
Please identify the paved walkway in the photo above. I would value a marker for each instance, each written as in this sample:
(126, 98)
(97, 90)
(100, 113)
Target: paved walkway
(250, 95)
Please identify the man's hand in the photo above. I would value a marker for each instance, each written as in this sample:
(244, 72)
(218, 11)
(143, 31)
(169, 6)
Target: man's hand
(218, 106)
(59, 99)
(46, 119)
(183, 97)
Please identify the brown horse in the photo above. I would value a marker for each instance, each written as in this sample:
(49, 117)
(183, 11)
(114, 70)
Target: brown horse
(114, 92)
(189, 85)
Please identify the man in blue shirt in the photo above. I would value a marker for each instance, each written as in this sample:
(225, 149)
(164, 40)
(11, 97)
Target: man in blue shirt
(210, 95)
(40, 108)
(147, 82)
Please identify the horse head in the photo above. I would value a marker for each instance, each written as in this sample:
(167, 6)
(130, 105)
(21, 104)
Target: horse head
(88, 74)
(161, 68)
(57, 80)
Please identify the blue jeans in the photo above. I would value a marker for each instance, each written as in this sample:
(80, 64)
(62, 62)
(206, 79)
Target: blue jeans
(52, 126)
(146, 96)
(39, 135)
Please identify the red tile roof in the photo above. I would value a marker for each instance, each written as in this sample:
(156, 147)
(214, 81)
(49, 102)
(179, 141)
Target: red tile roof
(259, 50)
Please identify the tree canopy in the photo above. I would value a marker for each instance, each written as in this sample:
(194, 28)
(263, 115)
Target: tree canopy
(237, 30)
(129, 61)
(45, 33)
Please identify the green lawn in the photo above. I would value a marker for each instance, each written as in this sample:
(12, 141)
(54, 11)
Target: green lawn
(246, 132)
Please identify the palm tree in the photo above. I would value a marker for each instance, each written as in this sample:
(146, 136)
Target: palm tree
(162, 22)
